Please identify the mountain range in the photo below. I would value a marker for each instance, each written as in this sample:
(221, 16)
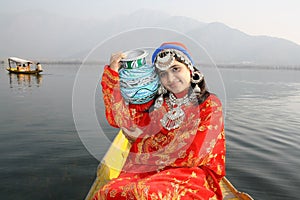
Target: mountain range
(46, 36)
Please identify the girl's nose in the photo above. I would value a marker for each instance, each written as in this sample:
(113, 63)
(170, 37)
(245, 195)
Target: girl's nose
(170, 77)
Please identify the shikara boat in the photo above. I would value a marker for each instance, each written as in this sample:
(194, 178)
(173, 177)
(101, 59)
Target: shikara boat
(22, 66)
(116, 156)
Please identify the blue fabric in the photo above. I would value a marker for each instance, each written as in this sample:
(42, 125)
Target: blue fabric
(171, 46)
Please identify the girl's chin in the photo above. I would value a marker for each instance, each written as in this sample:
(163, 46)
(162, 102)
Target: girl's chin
(179, 92)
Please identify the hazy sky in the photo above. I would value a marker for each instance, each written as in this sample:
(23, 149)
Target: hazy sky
(278, 18)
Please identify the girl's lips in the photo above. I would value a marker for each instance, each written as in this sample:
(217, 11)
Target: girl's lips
(174, 84)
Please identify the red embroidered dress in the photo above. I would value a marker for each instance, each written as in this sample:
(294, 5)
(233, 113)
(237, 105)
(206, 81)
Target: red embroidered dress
(183, 163)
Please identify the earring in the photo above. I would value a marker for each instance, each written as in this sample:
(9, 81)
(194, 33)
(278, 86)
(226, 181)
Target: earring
(197, 77)
(163, 90)
(159, 101)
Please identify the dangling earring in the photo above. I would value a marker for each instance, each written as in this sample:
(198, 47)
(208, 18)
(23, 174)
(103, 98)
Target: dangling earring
(197, 77)
(159, 101)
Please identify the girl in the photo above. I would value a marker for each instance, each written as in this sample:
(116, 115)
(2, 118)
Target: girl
(178, 140)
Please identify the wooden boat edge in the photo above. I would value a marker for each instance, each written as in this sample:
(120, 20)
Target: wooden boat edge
(13, 70)
(238, 194)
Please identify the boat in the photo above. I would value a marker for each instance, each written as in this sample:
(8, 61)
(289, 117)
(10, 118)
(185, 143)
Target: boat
(22, 66)
(115, 158)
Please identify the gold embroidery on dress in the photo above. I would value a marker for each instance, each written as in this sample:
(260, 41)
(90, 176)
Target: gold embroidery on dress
(178, 190)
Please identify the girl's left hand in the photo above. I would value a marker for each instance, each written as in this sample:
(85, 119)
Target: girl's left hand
(132, 134)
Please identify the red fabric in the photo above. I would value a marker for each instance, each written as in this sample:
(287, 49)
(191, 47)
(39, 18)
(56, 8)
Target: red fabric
(185, 163)
(119, 114)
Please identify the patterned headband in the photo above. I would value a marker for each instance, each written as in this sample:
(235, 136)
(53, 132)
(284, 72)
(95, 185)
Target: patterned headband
(164, 56)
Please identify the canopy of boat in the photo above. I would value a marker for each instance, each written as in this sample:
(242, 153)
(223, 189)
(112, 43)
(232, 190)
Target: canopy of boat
(19, 60)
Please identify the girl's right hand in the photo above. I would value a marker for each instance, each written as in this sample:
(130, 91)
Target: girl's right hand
(115, 61)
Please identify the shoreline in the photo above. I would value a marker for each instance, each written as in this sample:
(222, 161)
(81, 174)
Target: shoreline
(221, 66)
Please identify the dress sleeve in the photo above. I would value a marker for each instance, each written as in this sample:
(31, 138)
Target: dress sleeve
(118, 113)
(212, 125)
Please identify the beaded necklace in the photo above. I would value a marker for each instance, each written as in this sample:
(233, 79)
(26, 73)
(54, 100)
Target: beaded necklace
(175, 116)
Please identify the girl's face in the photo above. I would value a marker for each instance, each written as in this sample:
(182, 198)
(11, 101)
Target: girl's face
(177, 78)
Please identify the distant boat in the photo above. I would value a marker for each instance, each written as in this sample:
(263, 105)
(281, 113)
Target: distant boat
(115, 158)
(22, 66)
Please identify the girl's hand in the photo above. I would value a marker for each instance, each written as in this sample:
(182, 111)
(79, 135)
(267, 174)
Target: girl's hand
(132, 134)
(115, 61)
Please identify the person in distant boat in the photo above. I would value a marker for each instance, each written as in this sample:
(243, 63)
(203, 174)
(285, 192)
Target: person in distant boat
(38, 67)
(19, 67)
(177, 138)
(28, 67)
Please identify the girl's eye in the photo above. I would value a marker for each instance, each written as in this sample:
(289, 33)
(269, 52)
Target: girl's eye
(175, 69)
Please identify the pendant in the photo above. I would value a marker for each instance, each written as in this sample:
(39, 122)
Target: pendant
(173, 118)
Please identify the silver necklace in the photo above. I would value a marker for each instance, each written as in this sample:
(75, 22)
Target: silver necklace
(175, 116)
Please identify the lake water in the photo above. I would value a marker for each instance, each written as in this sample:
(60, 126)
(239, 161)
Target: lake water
(42, 155)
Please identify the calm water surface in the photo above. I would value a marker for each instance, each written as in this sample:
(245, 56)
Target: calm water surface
(42, 156)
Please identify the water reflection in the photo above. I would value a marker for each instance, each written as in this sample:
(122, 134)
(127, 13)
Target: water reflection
(24, 80)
